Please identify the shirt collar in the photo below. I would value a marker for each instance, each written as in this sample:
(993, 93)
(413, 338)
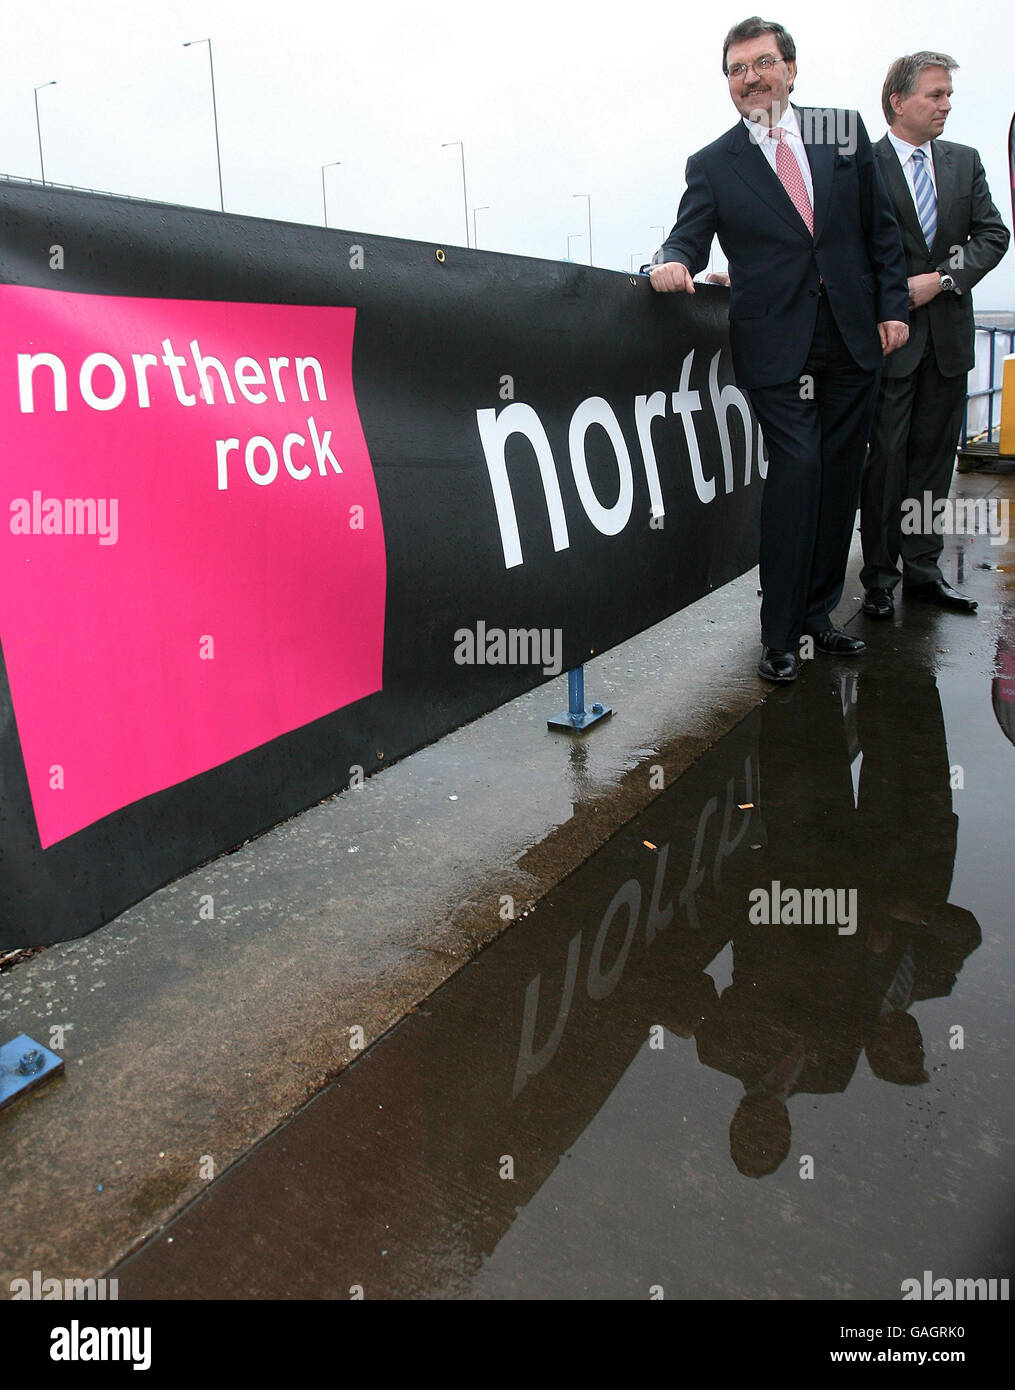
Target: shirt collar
(789, 123)
(905, 150)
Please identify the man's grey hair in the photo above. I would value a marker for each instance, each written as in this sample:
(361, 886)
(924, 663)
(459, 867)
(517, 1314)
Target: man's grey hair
(753, 28)
(904, 74)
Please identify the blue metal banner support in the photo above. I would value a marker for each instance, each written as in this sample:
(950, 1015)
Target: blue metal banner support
(24, 1063)
(576, 718)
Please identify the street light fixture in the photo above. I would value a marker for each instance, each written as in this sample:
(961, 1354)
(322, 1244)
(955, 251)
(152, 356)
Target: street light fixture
(475, 234)
(588, 199)
(324, 189)
(465, 194)
(38, 127)
(215, 113)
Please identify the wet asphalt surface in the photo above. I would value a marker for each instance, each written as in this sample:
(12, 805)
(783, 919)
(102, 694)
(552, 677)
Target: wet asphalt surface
(637, 1090)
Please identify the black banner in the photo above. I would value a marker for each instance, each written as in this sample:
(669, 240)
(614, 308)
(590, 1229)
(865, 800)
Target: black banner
(284, 504)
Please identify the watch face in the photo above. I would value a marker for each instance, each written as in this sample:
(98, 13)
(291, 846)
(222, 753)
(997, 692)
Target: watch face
(947, 283)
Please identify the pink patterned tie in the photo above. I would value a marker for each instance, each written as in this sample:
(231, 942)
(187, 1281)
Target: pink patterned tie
(791, 178)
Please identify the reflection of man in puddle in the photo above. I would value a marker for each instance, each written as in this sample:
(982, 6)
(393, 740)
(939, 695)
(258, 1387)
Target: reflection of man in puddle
(895, 1050)
(863, 803)
(760, 1128)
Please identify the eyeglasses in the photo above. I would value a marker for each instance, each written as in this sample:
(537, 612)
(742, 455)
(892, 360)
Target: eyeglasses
(760, 66)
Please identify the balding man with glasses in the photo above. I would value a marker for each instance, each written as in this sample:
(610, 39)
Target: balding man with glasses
(818, 297)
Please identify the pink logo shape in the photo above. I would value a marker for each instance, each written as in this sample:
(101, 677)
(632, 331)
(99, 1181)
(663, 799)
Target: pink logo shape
(192, 556)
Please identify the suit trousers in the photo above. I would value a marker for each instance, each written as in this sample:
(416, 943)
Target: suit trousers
(815, 430)
(912, 451)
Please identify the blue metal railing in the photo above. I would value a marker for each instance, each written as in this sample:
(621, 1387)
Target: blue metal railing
(993, 389)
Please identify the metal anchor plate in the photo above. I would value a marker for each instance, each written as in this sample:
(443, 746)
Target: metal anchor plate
(24, 1063)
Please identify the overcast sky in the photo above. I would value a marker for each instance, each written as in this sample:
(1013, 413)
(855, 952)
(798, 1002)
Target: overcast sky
(549, 99)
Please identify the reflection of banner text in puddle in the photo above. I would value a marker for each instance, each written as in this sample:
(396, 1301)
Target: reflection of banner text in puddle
(626, 904)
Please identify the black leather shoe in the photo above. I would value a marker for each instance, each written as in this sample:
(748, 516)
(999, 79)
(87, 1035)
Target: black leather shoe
(878, 603)
(943, 595)
(778, 666)
(838, 643)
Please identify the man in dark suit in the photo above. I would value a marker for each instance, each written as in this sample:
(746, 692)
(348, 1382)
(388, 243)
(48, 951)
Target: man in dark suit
(818, 296)
(952, 234)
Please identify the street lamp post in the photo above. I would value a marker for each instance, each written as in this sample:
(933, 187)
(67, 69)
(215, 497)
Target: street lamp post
(588, 199)
(324, 189)
(475, 234)
(215, 113)
(572, 237)
(465, 193)
(38, 126)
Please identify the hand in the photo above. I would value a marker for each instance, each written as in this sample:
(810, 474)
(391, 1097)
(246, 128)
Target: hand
(923, 288)
(718, 277)
(893, 335)
(672, 276)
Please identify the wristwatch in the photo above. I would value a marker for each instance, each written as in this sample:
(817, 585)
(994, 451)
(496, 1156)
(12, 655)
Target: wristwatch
(947, 283)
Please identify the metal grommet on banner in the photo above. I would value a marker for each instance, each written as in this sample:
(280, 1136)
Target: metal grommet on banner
(440, 255)
(634, 279)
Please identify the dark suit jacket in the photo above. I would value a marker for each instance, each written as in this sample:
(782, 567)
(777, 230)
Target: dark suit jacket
(966, 219)
(775, 265)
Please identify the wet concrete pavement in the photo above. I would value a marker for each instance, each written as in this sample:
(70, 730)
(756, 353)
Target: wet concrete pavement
(198, 1020)
(637, 1089)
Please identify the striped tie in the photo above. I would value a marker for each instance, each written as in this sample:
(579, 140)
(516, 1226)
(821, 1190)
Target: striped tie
(791, 178)
(926, 199)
